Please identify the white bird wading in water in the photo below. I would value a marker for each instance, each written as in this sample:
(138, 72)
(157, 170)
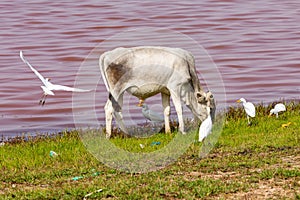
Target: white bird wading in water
(249, 108)
(277, 108)
(48, 86)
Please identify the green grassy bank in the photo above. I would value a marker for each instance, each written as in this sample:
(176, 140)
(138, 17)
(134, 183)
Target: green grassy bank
(261, 161)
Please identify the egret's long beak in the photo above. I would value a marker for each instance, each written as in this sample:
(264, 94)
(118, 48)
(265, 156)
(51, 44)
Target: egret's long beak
(270, 115)
(238, 101)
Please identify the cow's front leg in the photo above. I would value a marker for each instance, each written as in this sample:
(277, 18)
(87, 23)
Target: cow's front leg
(178, 107)
(108, 117)
(118, 113)
(166, 105)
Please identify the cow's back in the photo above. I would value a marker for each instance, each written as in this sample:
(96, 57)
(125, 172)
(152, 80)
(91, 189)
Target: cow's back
(147, 64)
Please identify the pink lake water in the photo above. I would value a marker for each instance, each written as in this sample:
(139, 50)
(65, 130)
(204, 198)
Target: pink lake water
(255, 47)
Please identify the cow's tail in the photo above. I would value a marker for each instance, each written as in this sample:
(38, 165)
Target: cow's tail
(102, 70)
(111, 97)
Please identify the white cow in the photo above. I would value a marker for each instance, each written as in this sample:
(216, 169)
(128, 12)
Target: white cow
(146, 71)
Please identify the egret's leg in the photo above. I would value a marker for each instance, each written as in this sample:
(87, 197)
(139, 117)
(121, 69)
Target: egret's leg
(42, 99)
(248, 120)
(166, 105)
(276, 115)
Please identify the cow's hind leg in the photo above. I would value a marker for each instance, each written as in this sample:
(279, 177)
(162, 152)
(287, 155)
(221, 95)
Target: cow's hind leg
(108, 117)
(166, 105)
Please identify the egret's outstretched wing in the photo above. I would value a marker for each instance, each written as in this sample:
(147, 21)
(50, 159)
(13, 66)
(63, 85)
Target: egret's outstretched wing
(34, 70)
(66, 88)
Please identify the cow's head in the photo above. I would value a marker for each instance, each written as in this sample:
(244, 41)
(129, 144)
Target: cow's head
(211, 103)
(202, 101)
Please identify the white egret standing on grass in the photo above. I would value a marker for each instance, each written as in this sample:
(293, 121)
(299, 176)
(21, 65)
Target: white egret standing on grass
(48, 86)
(277, 108)
(206, 126)
(150, 114)
(249, 108)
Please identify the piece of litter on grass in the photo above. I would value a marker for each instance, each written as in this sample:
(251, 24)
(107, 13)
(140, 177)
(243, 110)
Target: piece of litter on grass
(89, 194)
(142, 146)
(53, 154)
(96, 174)
(286, 125)
(155, 143)
(2, 144)
(76, 178)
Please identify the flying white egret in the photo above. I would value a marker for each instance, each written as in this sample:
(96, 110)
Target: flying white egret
(249, 108)
(277, 108)
(206, 126)
(48, 86)
(150, 114)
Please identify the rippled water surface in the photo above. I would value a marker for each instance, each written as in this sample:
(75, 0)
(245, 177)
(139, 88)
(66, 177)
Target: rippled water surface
(255, 47)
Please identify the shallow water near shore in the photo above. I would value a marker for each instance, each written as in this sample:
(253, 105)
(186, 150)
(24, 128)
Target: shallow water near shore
(255, 46)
